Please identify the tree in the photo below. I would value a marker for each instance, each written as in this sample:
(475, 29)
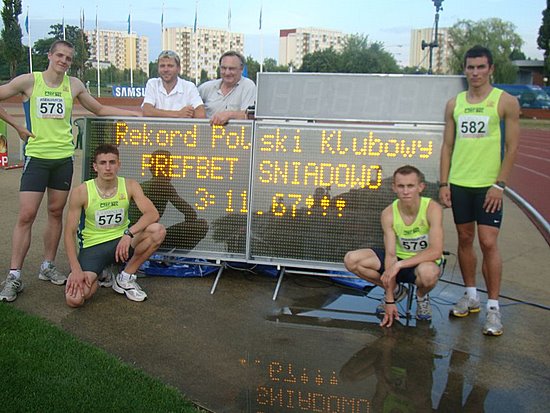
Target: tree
(495, 34)
(543, 40)
(358, 56)
(252, 67)
(76, 37)
(11, 34)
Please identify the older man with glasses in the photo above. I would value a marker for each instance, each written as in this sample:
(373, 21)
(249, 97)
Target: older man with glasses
(169, 96)
(228, 97)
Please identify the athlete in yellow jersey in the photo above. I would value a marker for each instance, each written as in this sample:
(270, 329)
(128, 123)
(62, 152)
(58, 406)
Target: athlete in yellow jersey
(104, 235)
(413, 247)
(48, 101)
(479, 148)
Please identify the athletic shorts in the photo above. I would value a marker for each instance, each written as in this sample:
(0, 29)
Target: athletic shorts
(405, 275)
(97, 257)
(467, 204)
(39, 174)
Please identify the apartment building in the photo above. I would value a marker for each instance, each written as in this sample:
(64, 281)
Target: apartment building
(440, 54)
(120, 49)
(294, 44)
(201, 49)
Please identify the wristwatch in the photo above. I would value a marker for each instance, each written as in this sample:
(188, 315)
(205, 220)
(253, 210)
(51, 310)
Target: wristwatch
(502, 184)
(129, 233)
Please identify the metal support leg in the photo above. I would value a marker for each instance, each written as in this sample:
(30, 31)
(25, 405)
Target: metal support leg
(279, 281)
(218, 276)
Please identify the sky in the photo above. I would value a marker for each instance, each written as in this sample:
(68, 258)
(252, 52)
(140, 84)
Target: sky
(386, 21)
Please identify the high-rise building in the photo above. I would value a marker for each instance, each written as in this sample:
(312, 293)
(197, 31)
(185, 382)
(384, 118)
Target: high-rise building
(440, 54)
(294, 44)
(201, 50)
(120, 49)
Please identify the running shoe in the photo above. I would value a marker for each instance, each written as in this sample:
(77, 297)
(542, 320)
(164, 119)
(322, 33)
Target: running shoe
(11, 287)
(131, 288)
(106, 277)
(465, 306)
(493, 325)
(399, 295)
(52, 274)
(423, 309)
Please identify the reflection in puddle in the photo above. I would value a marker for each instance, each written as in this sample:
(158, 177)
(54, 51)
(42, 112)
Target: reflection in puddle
(401, 369)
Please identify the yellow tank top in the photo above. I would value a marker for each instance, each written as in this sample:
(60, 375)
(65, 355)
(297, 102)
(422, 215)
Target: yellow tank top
(411, 239)
(479, 141)
(48, 116)
(104, 219)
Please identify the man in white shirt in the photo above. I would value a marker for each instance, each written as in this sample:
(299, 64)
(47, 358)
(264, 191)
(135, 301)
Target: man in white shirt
(169, 96)
(229, 97)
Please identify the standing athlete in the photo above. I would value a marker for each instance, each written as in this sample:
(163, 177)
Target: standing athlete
(479, 148)
(48, 100)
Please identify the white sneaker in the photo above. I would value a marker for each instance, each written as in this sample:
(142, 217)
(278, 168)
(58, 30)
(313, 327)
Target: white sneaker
(106, 277)
(11, 287)
(131, 288)
(52, 274)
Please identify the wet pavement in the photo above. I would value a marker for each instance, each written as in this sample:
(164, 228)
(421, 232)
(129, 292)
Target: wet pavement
(318, 346)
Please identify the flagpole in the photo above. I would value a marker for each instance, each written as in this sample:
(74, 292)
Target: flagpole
(97, 53)
(229, 26)
(28, 28)
(63, 20)
(131, 48)
(162, 27)
(197, 76)
(261, 41)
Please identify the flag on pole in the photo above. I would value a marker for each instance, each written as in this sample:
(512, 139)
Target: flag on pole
(195, 24)
(82, 19)
(27, 22)
(129, 23)
(63, 21)
(229, 18)
(261, 7)
(97, 53)
(162, 19)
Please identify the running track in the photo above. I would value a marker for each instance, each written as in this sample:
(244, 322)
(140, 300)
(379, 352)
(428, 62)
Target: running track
(531, 174)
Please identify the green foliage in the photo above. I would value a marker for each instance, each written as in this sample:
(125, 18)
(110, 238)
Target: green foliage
(54, 372)
(358, 56)
(253, 68)
(495, 34)
(543, 40)
(11, 35)
(75, 36)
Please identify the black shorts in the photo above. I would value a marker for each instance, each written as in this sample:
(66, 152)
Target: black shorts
(467, 205)
(97, 257)
(405, 275)
(39, 174)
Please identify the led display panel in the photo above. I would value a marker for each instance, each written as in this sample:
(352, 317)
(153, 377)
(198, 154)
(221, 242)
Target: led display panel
(318, 189)
(356, 97)
(197, 176)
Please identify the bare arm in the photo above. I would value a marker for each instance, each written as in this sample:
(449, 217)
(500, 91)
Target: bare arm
(446, 153)
(388, 278)
(79, 91)
(20, 85)
(77, 280)
(149, 213)
(509, 111)
(151, 111)
(221, 118)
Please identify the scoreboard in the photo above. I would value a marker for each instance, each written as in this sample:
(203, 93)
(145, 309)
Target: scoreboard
(290, 193)
(302, 184)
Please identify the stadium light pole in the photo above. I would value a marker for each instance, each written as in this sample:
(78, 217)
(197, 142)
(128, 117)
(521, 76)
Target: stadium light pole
(433, 44)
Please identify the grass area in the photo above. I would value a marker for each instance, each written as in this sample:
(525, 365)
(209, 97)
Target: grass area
(45, 369)
(543, 124)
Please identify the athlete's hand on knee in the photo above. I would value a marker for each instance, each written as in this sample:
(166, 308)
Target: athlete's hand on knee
(122, 252)
(493, 200)
(75, 284)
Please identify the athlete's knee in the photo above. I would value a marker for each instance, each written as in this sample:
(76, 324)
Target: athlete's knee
(157, 233)
(74, 302)
(427, 274)
(351, 261)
